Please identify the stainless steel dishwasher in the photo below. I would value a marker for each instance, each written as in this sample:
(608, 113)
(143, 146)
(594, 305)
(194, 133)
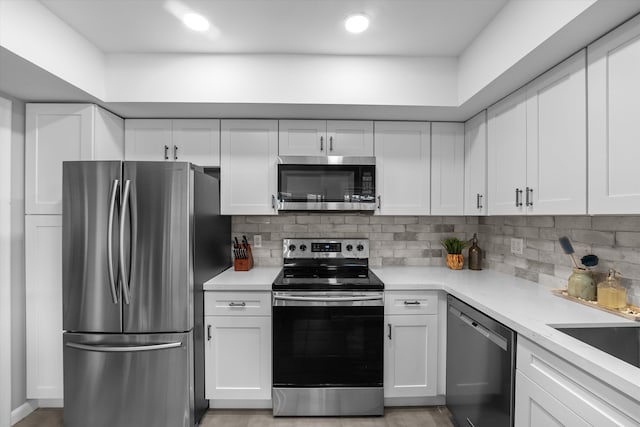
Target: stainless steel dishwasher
(480, 368)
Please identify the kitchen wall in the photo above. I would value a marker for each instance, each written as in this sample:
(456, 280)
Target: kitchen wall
(394, 240)
(614, 239)
(415, 240)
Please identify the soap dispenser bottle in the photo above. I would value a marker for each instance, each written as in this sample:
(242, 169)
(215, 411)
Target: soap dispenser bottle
(475, 254)
(610, 293)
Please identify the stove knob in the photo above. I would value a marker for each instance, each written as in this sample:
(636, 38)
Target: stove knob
(303, 247)
(349, 248)
(292, 248)
(360, 247)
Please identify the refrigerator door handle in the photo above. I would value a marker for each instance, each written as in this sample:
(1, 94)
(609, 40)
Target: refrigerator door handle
(124, 349)
(125, 275)
(112, 209)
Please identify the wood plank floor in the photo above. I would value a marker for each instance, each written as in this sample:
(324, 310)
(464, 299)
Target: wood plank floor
(434, 416)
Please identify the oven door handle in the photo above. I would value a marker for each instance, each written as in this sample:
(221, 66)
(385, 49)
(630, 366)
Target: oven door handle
(328, 299)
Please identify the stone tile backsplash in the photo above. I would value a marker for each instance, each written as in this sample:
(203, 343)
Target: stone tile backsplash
(415, 240)
(614, 239)
(394, 240)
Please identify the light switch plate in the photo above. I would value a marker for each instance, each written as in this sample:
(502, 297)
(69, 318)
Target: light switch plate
(516, 246)
(257, 241)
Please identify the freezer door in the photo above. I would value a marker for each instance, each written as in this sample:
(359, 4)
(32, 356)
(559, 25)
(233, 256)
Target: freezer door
(157, 212)
(91, 290)
(128, 380)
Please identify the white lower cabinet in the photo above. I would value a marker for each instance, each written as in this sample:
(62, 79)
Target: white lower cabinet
(550, 391)
(411, 345)
(43, 274)
(238, 349)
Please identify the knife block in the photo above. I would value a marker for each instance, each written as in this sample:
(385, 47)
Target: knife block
(244, 264)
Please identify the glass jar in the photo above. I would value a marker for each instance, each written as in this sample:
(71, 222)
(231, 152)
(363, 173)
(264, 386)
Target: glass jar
(582, 285)
(610, 293)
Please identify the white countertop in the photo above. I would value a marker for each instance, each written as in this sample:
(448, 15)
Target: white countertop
(526, 307)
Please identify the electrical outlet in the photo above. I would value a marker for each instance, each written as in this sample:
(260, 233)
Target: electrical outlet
(257, 241)
(516, 246)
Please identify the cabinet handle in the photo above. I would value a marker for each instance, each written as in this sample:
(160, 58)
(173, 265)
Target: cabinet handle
(166, 152)
(330, 143)
(518, 197)
(175, 152)
(412, 303)
(208, 332)
(321, 143)
(237, 304)
(273, 202)
(389, 325)
(379, 202)
(529, 202)
(479, 201)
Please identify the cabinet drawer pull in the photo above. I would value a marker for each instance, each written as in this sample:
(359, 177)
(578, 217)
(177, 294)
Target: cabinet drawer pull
(389, 325)
(479, 201)
(166, 152)
(321, 143)
(412, 302)
(237, 304)
(330, 143)
(208, 332)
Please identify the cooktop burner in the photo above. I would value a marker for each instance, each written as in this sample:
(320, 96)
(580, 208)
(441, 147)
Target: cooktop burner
(326, 264)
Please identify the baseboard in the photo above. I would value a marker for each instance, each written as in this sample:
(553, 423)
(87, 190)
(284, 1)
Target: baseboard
(240, 404)
(438, 400)
(23, 410)
(50, 403)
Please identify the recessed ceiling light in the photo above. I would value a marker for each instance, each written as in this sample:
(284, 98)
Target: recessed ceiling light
(195, 21)
(356, 23)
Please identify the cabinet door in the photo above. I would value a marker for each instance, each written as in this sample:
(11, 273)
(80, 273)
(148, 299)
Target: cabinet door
(54, 133)
(147, 139)
(535, 407)
(447, 168)
(196, 141)
(248, 167)
(507, 151)
(403, 167)
(350, 138)
(302, 137)
(475, 165)
(557, 140)
(613, 85)
(43, 262)
(411, 356)
(238, 357)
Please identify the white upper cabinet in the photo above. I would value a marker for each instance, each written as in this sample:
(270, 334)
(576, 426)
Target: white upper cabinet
(614, 134)
(325, 138)
(403, 167)
(507, 151)
(187, 140)
(475, 165)
(61, 132)
(248, 167)
(447, 168)
(557, 140)
(537, 145)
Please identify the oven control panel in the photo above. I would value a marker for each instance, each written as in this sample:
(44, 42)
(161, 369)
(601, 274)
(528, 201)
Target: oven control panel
(325, 248)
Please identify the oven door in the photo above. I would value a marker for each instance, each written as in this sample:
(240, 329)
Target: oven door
(328, 339)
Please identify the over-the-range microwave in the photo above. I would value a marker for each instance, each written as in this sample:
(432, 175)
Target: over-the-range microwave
(326, 183)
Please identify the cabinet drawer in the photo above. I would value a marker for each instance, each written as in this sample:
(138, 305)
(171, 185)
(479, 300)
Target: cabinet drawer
(411, 303)
(237, 303)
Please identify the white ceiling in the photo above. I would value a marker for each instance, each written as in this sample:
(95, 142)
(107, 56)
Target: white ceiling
(398, 27)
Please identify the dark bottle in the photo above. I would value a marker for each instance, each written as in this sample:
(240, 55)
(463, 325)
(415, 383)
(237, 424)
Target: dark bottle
(475, 254)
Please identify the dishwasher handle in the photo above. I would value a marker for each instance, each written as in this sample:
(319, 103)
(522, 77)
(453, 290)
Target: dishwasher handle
(497, 339)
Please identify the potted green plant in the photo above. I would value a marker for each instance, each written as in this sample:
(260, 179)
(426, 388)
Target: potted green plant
(454, 247)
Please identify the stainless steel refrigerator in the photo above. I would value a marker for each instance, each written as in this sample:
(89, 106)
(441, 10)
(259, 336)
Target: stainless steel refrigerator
(139, 241)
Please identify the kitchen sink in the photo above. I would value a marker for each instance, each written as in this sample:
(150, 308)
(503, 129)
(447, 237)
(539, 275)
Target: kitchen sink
(620, 342)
